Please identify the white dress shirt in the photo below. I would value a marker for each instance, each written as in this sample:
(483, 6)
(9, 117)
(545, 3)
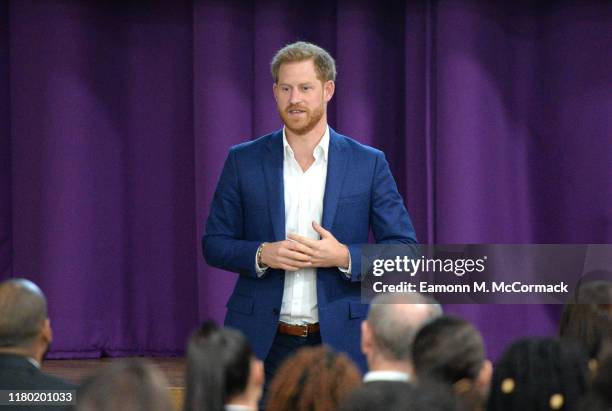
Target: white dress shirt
(304, 192)
(33, 362)
(386, 376)
(235, 407)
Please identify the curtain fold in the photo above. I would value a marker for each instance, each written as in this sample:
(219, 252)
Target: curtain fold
(6, 230)
(115, 121)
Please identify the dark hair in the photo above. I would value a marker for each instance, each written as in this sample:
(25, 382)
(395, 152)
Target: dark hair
(400, 396)
(314, 378)
(449, 349)
(218, 367)
(539, 374)
(132, 384)
(586, 318)
(23, 309)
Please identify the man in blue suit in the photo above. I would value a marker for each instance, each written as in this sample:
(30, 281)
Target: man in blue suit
(291, 213)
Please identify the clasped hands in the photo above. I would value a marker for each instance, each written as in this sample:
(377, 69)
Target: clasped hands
(302, 252)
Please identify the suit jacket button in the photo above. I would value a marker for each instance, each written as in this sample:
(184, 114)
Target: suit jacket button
(275, 311)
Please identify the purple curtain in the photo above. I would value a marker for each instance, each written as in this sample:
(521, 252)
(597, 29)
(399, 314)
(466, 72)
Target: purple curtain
(5, 148)
(115, 120)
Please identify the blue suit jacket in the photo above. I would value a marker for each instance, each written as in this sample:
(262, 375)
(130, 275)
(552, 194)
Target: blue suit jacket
(248, 209)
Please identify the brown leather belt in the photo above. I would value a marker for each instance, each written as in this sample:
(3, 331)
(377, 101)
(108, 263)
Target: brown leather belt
(298, 330)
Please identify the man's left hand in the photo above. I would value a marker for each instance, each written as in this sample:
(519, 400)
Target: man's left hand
(326, 252)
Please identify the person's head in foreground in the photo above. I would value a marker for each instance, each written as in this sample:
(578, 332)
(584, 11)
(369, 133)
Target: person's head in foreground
(389, 330)
(451, 350)
(587, 317)
(539, 374)
(313, 379)
(130, 385)
(221, 370)
(25, 328)
(424, 395)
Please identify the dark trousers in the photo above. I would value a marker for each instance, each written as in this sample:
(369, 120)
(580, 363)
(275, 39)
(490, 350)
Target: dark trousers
(282, 347)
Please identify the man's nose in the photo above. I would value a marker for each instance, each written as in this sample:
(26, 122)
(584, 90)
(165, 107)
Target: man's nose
(296, 96)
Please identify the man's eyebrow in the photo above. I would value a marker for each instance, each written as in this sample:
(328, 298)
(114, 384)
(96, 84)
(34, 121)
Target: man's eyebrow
(308, 83)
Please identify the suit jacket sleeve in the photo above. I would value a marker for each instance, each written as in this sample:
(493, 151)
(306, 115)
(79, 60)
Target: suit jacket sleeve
(389, 218)
(223, 244)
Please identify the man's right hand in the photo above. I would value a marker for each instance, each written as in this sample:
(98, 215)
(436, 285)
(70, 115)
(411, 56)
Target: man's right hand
(286, 255)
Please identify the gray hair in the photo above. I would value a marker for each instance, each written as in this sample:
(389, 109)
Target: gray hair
(395, 319)
(23, 309)
(325, 66)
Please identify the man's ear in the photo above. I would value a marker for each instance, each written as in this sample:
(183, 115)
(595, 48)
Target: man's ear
(328, 90)
(275, 90)
(46, 332)
(483, 381)
(257, 375)
(366, 338)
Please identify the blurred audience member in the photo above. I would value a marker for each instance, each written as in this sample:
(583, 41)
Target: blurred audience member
(420, 396)
(388, 332)
(451, 350)
(537, 374)
(25, 335)
(587, 318)
(599, 396)
(128, 385)
(222, 372)
(313, 379)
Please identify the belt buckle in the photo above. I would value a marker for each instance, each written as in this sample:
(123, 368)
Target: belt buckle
(304, 331)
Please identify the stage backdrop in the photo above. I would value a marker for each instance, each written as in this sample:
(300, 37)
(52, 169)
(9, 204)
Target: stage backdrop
(115, 120)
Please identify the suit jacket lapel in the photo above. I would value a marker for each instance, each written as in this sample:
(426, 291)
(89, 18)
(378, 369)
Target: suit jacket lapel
(273, 171)
(336, 168)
